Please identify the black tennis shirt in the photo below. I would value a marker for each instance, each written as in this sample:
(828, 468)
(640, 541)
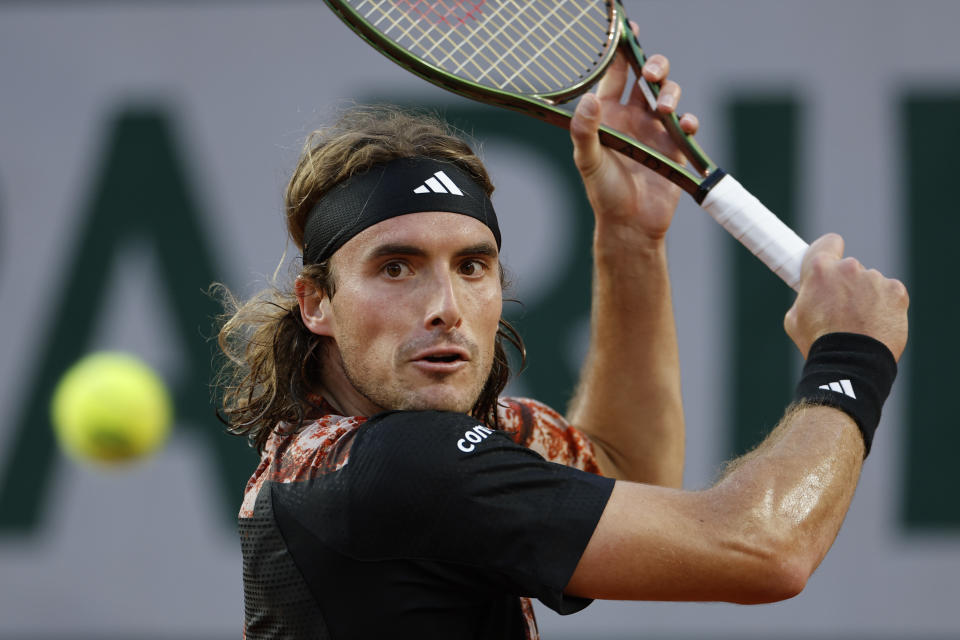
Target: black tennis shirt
(412, 524)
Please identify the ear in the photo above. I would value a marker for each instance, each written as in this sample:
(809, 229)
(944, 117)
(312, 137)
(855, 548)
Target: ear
(314, 307)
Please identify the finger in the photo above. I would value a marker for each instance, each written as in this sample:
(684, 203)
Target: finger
(669, 97)
(851, 266)
(614, 80)
(790, 320)
(829, 243)
(825, 249)
(656, 68)
(587, 152)
(689, 123)
(898, 289)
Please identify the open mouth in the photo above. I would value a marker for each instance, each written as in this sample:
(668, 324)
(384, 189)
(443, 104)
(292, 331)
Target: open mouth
(451, 357)
(442, 358)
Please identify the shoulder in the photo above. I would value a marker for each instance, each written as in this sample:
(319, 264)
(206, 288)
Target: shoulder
(446, 482)
(542, 429)
(413, 467)
(427, 442)
(522, 417)
(294, 455)
(318, 447)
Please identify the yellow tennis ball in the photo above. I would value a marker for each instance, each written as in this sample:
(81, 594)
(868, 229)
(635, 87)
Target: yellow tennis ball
(110, 407)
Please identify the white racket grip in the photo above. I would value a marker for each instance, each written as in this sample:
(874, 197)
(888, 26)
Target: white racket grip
(747, 220)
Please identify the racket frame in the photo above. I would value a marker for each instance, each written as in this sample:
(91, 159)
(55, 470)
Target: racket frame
(545, 107)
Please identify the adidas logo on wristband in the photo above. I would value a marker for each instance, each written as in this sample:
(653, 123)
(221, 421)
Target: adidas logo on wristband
(841, 386)
(838, 361)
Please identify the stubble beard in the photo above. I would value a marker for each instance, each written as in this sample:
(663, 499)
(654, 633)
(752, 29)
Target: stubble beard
(401, 398)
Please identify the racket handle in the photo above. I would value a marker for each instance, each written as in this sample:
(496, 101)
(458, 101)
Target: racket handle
(757, 228)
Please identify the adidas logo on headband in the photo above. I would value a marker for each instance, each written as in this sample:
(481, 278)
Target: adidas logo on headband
(439, 183)
(382, 192)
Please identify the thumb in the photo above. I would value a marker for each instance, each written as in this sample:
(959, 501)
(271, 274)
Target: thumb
(828, 247)
(587, 152)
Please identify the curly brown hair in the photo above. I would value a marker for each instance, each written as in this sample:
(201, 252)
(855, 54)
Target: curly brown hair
(273, 362)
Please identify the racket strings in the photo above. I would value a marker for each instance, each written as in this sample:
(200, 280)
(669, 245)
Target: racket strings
(531, 47)
(515, 40)
(436, 38)
(510, 38)
(415, 44)
(556, 41)
(541, 41)
(474, 70)
(534, 32)
(514, 61)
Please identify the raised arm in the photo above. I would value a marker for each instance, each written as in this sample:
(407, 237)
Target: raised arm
(628, 400)
(758, 534)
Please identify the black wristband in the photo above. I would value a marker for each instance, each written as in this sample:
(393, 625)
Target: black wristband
(850, 372)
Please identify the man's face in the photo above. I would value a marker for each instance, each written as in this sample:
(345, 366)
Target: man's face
(415, 312)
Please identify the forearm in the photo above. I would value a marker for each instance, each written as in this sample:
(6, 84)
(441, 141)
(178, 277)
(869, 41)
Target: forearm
(755, 537)
(629, 399)
(788, 498)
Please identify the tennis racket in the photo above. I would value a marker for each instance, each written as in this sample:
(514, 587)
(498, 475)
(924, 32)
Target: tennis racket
(533, 55)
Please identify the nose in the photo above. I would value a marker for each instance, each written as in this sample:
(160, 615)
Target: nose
(443, 308)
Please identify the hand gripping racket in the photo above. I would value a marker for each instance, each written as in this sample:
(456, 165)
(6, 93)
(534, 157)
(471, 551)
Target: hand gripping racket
(532, 55)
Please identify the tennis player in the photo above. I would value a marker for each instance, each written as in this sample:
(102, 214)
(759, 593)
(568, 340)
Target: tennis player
(398, 495)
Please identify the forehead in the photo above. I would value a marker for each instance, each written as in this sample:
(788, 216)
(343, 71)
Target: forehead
(432, 232)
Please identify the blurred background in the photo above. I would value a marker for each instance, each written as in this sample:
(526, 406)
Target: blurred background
(144, 147)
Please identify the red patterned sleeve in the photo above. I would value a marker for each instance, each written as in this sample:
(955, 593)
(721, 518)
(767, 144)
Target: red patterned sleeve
(540, 428)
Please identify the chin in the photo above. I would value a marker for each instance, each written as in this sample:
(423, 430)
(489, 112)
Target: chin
(444, 400)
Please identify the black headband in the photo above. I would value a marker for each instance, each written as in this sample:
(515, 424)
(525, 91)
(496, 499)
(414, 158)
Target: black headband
(395, 188)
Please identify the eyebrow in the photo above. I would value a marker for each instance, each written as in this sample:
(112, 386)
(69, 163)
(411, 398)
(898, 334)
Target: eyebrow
(479, 249)
(399, 249)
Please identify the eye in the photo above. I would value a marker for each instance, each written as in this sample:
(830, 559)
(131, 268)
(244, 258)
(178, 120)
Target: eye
(473, 268)
(395, 269)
